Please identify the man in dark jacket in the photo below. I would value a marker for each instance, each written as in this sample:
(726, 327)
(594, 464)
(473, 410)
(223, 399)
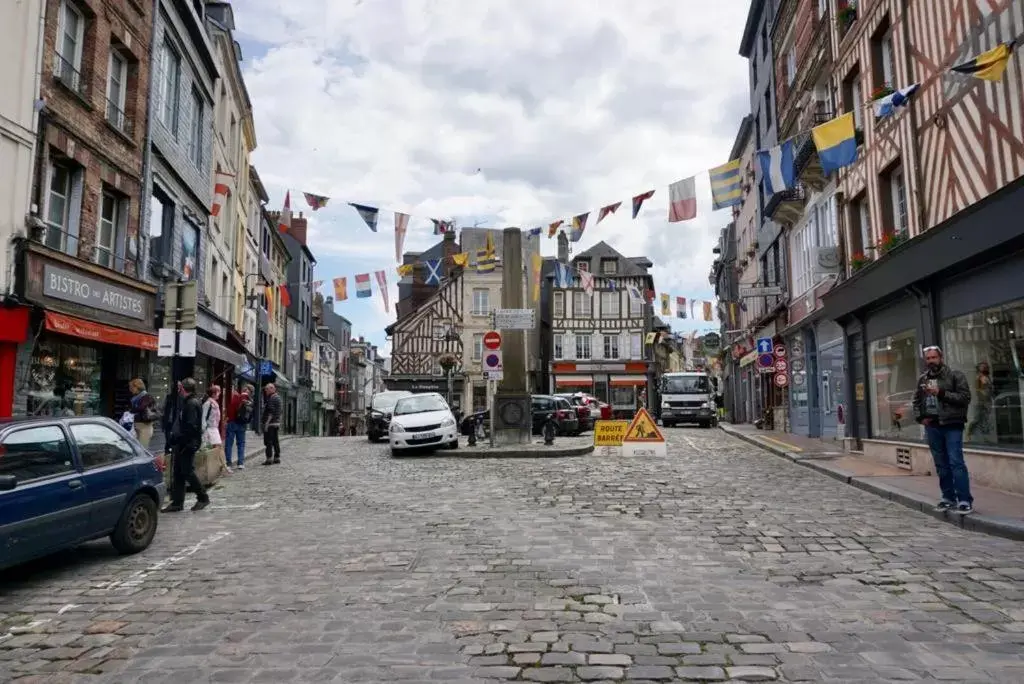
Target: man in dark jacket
(940, 404)
(187, 436)
(271, 424)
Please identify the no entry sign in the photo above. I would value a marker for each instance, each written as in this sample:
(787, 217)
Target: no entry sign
(492, 340)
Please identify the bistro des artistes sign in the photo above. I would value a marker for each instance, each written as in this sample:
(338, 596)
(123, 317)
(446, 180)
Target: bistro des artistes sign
(78, 288)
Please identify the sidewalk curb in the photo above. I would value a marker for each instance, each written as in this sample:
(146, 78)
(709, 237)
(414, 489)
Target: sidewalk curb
(997, 527)
(469, 452)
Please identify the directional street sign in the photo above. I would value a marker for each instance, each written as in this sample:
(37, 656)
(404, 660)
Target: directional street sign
(781, 379)
(515, 319)
(764, 345)
(492, 340)
(780, 351)
(781, 365)
(765, 360)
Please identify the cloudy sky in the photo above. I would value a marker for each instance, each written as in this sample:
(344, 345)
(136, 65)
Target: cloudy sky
(496, 113)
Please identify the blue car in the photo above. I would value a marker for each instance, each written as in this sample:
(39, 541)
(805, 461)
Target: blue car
(65, 481)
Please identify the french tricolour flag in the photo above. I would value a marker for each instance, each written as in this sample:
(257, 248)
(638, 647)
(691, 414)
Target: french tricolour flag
(363, 288)
(777, 167)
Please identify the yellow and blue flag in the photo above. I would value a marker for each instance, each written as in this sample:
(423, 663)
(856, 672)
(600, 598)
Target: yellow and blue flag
(836, 142)
(725, 185)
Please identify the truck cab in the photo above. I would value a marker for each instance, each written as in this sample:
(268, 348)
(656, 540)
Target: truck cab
(688, 397)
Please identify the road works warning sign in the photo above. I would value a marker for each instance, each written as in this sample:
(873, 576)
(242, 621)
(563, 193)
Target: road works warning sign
(643, 438)
(643, 429)
(610, 432)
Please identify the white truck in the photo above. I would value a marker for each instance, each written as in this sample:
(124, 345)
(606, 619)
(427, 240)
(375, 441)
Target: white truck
(688, 397)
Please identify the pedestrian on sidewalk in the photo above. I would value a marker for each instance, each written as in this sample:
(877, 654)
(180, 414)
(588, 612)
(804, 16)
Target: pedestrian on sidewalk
(239, 415)
(187, 437)
(271, 424)
(940, 404)
(143, 408)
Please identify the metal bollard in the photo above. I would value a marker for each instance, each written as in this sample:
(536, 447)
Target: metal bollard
(549, 432)
(472, 431)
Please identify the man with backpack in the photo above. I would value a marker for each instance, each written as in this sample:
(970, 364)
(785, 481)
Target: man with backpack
(239, 415)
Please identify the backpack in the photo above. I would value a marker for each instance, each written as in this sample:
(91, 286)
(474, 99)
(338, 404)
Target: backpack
(244, 413)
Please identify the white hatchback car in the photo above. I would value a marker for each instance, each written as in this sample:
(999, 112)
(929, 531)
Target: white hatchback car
(422, 420)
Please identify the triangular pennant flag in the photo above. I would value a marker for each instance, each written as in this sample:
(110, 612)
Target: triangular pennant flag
(369, 215)
(340, 289)
(681, 307)
(605, 210)
(284, 221)
(221, 190)
(401, 223)
(363, 287)
(553, 227)
(382, 283)
(989, 65)
(579, 224)
(638, 201)
(433, 271)
(286, 296)
(682, 200)
(315, 201)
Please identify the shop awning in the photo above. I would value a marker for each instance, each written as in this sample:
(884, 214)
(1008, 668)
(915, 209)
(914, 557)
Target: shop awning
(574, 381)
(627, 380)
(280, 381)
(219, 351)
(98, 332)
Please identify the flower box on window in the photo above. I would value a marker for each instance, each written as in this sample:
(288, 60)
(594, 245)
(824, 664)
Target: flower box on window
(858, 261)
(846, 14)
(881, 91)
(891, 240)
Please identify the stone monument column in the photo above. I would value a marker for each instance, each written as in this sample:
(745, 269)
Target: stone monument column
(512, 418)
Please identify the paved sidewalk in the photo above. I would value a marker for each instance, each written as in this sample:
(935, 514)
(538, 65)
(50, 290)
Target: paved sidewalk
(995, 512)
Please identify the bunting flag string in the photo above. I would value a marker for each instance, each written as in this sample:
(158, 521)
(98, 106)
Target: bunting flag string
(368, 214)
(401, 224)
(382, 283)
(315, 202)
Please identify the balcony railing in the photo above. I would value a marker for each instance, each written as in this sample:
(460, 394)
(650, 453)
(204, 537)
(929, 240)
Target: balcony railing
(66, 73)
(56, 238)
(118, 119)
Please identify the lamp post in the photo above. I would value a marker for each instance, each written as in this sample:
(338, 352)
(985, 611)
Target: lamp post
(257, 372)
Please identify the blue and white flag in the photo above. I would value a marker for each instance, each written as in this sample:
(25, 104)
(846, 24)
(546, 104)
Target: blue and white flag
(777, 168)
(885, 106)
(563, 275)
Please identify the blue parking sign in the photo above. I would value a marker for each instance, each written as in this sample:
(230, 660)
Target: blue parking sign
(764, 345)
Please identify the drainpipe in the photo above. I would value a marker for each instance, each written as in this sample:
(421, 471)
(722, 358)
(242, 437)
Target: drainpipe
(141, 252)
(914, 125)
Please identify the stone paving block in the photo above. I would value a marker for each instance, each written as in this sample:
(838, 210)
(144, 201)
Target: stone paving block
(549, 674)
(651, 672)
(691, 673)
(752, 673)
(593, 673)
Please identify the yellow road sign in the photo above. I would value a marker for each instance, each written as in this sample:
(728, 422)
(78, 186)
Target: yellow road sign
(643, 429)
(609, 432)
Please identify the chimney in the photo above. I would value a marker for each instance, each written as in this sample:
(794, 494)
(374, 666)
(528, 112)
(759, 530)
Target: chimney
(563, 247)
(449, 249)
(298, 229)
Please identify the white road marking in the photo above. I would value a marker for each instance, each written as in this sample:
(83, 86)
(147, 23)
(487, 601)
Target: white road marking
(139, 576)
(238, 507)
(67, 608)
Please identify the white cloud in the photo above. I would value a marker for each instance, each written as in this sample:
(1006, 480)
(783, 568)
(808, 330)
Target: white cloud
(563, 107)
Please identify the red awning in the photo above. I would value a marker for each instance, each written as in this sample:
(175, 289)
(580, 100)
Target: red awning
(574, 381)
(98, 332)
(628, 380)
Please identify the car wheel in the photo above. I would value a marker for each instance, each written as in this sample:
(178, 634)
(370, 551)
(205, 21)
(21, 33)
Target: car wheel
(137, 526)
(454, 444)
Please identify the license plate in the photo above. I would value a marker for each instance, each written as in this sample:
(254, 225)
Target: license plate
(425, 435)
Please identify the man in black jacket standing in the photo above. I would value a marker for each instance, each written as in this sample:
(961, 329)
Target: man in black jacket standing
(940, 404)
(271, 424)
(187, 436)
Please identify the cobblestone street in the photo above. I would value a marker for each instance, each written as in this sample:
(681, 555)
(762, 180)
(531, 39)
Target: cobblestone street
(343, 565)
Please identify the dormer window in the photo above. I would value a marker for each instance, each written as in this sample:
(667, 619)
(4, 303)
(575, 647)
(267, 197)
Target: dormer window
(583, 265)
(609, 266)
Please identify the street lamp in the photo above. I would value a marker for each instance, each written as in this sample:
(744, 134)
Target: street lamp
(252, 300)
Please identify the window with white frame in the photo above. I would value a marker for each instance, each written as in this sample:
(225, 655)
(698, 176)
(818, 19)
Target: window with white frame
(117, 83)
(886, 51)
(64, 196)
(583, 265)
(195, 132)
(636, 346)
(557, 350)
(857, 103)
(611, 346)
(559, 304)
(582, 305)
(636, 307)
(481, 302)
(609, 266)
(815, 231)
(69, 46)
(791, 65)
(898, 193)
(610, 304)
(478, 346)
(583, 346)
(170, 79)
(113, 216)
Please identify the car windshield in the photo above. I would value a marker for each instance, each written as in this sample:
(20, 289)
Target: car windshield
(385, 401)
(685, 384)
(420, 404)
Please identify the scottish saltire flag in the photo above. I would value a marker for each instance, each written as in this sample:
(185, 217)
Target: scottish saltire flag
(836, 142)
(777, 168)
(363, 287)
(369, 215)
(563, 275)
(433, 271)
(886, 106)
(725, 185)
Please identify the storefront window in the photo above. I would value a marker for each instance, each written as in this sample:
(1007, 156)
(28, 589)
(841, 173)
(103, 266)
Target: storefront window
(988, 346)
(623, 396)
(64, 380)
(893, 371)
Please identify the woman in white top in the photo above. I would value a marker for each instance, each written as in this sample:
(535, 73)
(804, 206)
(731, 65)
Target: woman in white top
(211, 417)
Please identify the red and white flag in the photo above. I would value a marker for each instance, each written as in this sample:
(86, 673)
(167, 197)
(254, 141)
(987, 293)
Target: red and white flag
(284, 223)
(221, 190)
(587, 281)
(682, 200)
(382, 282)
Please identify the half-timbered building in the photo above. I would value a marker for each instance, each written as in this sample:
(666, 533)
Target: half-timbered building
(598, 339)
(948, 168)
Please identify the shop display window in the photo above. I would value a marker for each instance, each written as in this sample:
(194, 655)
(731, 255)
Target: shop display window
(64, 380)
(988, 347)
(893, 369)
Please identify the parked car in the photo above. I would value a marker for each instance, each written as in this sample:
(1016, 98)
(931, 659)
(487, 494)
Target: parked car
(588, 409)
(602, 410)
(422, 420)
(66, 481)
(542, 406)
(378, 416)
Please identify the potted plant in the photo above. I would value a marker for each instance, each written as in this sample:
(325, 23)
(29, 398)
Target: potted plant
(448, 362)
(846, 13)
(858, 261)
(891, 240)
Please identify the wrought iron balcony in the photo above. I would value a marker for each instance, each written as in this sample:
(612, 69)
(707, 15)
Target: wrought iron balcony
(66, 74)
(786, 206)
(118, 119)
